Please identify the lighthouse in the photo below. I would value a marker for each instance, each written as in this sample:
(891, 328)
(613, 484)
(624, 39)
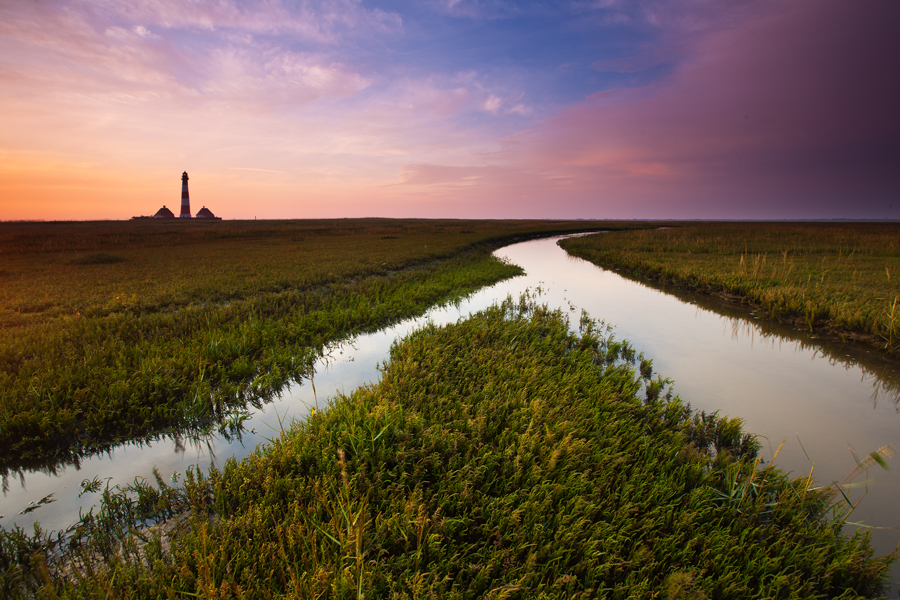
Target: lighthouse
(185, 199)
(165, 213)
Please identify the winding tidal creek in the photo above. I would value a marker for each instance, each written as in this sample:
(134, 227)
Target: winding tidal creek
(822, 397)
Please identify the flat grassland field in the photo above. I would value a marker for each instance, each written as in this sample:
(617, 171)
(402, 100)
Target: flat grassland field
(842, 278)
(560, 469)
(117, 330)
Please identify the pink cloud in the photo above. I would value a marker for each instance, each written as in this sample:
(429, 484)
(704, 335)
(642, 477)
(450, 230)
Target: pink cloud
(79, 50)
(424, 174)
(320, 21)
(276, 77)
(793, 106)
(492, 104)
(770, 109)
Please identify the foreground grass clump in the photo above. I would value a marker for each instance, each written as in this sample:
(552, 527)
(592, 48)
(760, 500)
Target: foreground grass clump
(113, 331)
(499, 457)
(840, 278)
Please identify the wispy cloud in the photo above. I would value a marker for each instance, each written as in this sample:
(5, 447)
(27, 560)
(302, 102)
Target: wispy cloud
(275, 77)
(494, 107)
(325, 21)
(176, 49)
(770, 117)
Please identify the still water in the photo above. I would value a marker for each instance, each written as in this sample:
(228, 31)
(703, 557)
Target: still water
(821, 397)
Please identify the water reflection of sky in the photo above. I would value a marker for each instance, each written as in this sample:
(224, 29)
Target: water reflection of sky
(784, 385)
(819, 396)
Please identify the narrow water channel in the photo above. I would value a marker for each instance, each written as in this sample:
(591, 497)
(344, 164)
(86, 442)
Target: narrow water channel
(821, 397)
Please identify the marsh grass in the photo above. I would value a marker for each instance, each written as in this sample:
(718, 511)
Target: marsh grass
(824, 277)
(201, 318)
(502, 456)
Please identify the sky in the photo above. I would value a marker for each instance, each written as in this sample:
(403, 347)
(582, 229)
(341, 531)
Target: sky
(606, 109)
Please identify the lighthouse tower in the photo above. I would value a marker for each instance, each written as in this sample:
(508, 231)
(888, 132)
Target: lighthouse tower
(185, 199)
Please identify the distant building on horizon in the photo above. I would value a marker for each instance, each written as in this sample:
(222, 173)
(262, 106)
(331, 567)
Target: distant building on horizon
(205, 213)
(164, 213)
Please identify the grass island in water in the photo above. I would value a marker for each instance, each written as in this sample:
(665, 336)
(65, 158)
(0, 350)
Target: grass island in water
(500, 457)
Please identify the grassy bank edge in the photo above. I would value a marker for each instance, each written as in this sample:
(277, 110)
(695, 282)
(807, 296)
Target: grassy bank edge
(817, 317)
(244, 355)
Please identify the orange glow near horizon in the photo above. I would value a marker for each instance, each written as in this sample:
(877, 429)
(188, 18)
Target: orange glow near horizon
(756, 110)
